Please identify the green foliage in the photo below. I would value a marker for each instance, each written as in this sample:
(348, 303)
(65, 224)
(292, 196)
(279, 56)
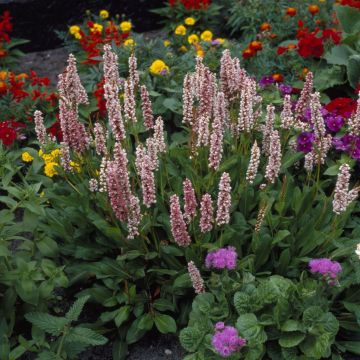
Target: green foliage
(71, 339)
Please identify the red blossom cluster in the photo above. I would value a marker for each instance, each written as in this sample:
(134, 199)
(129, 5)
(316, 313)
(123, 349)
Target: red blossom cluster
(191, 4)
(24, 89)
(352, 3)
(311, 43)
(99, 94)
(342, 106)
(5, 29)
(93, 42)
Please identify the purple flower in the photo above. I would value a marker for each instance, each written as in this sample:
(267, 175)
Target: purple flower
(325, 267)
(334, 123)
(285, 89)
(304, 142)
(215, 42)
(355, 153)
(338, 144)
(164, 72)
(226, 340)
(224, 258)
(307, 115)
(266, 80)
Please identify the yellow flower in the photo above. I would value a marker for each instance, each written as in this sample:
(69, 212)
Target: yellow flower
(158, 67)
(206, 35)
(55, 153)
(78, 36)
(200, 52)
(52, 157)
(167, 43)
(183, 48)
(129, 42)
(75, 166)
(50, 169)
(189, 21)
(26, 157)
(42, 194)
(193, 39)
(74, 29)
(97, 28)
(180, 30)
(125, 26)
(104, 14)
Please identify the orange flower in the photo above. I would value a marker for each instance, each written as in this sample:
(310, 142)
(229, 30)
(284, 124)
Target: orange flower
(265, 26)
(278, 77)
(291, 46)
(273, 36)
(2, 87)
(248, 53)
(256, 45)
(304, 72)
(313, 9)
(291, 11)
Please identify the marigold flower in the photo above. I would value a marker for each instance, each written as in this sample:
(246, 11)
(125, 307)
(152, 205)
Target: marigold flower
(104, 14)
(206, 35)
(290, 11)
(255, 45)
(189, 21)
(129, 42)
(193, 39)
(248, 53)
(180, 30)
(313, 9)
(167, 43)
(278, 77)
(158, 67)
(183, 49)
(4, 74)
(26, 157)
(125, 26)
(200, 52)
(74, 29)
(265, 26)
(50, 169)
(96, 28)
(78, 36)
(75, 166)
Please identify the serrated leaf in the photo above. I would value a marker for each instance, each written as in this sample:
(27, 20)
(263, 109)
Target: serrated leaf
(76, 308)
(190, 338)
(85, 336)
(49, 323)
(48, 355)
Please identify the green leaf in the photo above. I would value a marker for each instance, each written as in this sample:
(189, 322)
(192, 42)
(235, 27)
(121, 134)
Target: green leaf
(165, 323)
(242, 302)
(164, 305)
(250, 329)
(85, 336)
(122, 315)
(146, 322)
(190, 338)
(339, 55)
(120, 350)
(48, 355)
(76, 309)
(49, 323)
(353, 70)
(134, 333)
(316, 346)
(280, 235)
(352, 346)
(291, 339)
(183, 281)
(349, 18)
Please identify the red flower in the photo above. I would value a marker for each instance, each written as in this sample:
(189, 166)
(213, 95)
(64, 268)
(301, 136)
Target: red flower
(248, 53)
(99, 94)
(313, 9)
(7, 135)
(309, 46)
(352, 3)
(55, 130)
(333, 34)
(281, 50)
(341, 106)
(191, 4)
(291, 11)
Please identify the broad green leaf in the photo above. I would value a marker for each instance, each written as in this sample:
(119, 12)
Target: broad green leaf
(291, 339)
(165, 323)
(190, 338)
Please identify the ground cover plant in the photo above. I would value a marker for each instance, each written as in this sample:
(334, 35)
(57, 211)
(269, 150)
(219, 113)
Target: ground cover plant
(169, 190)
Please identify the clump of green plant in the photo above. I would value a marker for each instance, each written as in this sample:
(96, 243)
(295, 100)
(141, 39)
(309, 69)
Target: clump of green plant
(71, 339)
(132, 206)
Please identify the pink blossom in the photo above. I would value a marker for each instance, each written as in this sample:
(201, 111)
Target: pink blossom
(207, 213)
(178, 225)
(190, 202)
(146, 108)
(224, 200)
(196, 279)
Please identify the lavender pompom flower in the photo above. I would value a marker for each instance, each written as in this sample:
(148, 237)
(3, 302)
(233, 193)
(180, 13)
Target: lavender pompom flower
(327, 268)
(224, 258)
(226, 340)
